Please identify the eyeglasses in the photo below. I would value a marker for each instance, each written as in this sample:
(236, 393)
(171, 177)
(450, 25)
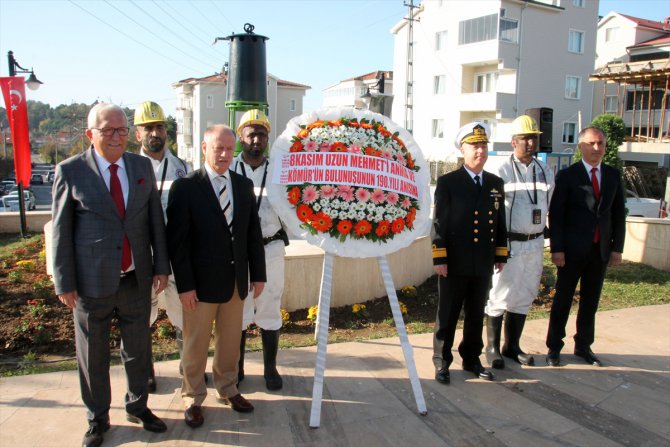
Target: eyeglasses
(110, 131)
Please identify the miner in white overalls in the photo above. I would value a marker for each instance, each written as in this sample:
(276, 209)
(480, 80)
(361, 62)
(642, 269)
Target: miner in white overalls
(529, 184)
(264, 311)
(151, 132)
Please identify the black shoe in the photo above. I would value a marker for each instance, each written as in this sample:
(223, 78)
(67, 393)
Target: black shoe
(588, 356)
(442, 376)
(479, 371)
(149, 421)
(93, 437)
(553, 358)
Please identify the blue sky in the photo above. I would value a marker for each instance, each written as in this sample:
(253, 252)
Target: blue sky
(127, 51)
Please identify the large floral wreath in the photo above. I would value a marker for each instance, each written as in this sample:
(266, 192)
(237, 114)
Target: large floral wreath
(346, 218)
(347, 211)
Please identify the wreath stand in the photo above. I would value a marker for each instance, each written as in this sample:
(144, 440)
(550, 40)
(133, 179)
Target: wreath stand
(322, 337)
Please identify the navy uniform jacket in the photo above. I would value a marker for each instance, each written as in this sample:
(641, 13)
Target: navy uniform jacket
(471, 234)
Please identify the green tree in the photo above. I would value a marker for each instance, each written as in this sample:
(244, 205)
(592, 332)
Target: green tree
(615, 131)
(52, 152)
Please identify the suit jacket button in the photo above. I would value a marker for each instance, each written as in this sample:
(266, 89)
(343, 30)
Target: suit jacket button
(476, 212)
(232, 262)
(476, 230)
(491, 239)
(476, 222)
(476, 240)
(490, 212)
(490, 221)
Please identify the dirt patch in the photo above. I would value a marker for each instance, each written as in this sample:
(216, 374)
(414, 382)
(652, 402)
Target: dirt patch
(35, 325)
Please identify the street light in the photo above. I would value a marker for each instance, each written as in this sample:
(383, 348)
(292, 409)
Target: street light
(33, 84)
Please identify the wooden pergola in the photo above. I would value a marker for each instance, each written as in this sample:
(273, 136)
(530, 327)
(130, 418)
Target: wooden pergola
(654, 75)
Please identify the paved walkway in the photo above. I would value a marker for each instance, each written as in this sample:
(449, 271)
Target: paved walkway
(368, 399)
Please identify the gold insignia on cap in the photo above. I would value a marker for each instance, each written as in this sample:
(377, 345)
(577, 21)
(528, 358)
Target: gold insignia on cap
(478, 135)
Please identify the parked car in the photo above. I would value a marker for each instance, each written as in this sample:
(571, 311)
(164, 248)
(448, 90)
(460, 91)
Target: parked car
(36, 179)
(643, 207)
(6, 186)
(50, 176)
(11, 202)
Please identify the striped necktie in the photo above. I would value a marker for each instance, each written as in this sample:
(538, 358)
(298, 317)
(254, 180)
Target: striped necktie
(224, 200)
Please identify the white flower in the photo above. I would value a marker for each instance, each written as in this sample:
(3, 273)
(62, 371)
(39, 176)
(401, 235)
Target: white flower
(370, 206)
(333, 213)
(316, 207)
(343, 215)
(352, 214)
(324, 202)
(360, 215)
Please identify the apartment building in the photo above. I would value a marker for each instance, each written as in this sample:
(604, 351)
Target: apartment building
(201, 102)
(492, 60)
(373, 91)
(633, 58)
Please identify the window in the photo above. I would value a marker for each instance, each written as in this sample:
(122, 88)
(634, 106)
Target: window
(210, 101)
(573, 87)
(439, 85)
(438, 128)
(642, 99)
(579, 3)
(576, 41)
(569, 132)
(485, 82)
(611, 104)
(509, 30)
(612, 34)
(440, 40)
(478, 29)
(292, 106)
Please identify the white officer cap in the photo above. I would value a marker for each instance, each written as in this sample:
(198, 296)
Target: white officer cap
(474, 132)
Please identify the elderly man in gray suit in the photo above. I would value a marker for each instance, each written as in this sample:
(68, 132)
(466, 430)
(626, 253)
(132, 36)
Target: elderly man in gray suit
(109, 250)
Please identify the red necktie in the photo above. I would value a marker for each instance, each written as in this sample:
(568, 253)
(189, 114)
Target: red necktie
(596, 193)
(117, 196)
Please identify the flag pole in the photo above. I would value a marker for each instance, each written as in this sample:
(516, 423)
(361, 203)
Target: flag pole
(33, 84)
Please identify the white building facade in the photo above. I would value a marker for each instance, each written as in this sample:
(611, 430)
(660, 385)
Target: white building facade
(201, 103)
(358, 91)
(492, 60)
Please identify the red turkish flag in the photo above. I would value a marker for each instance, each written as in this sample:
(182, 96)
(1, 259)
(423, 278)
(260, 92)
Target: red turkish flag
(14, 91)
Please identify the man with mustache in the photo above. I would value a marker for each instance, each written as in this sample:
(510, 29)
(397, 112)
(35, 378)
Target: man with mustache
(151, 132)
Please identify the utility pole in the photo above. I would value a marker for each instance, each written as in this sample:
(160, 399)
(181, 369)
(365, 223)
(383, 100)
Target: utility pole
(409, 72)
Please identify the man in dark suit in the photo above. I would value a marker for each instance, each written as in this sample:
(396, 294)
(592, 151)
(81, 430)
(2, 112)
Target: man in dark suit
(216, 249)
(587, 223)
(470, 239)
(109, 248)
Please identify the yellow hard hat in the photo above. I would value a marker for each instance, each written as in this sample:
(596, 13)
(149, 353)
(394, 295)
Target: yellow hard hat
(253, 117)
(147, 113)
(524, 125)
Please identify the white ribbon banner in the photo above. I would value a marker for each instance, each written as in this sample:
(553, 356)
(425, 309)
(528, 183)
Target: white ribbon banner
(343, 168)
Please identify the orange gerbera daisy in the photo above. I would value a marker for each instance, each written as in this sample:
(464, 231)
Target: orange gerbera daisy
(398, 225)
(345, 226)
(362, 228)
(383, 228)
(303, 133)
(304, 213)
(296, 147)
(321, 222)
(294, 195)
(315, 124)
(338, 146)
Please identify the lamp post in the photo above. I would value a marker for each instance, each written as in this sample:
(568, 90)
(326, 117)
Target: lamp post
(33, 84)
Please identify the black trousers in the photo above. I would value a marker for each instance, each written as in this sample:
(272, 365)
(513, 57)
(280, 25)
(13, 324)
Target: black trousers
(591, 271)
(468, 293)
